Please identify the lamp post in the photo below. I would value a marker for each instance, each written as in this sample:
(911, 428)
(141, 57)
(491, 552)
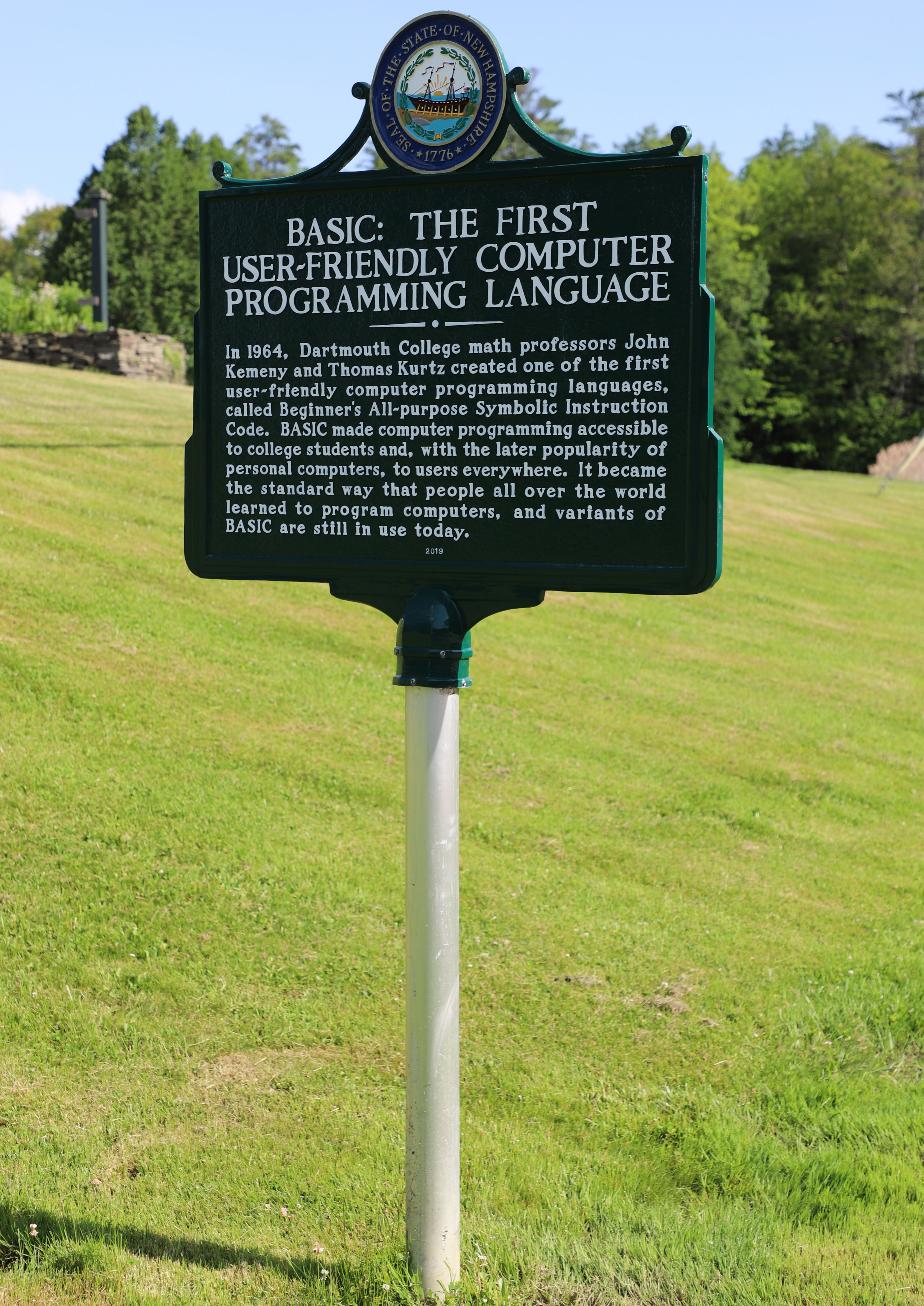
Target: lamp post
(96, 216)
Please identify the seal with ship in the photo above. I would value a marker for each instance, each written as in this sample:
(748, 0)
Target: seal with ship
(438, 93)
(439, 100)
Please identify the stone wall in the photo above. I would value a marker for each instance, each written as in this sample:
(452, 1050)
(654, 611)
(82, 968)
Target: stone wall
(125, 353)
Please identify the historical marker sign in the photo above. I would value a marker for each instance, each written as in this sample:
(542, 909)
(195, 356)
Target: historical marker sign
(444, 388)
(495, 379)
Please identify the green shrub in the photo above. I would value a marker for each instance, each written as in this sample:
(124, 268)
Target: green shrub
(45, 308)
(177, 365)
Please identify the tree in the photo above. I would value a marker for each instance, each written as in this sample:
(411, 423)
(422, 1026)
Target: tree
(23, 253)
(267, 151)
(542, 109)
(154, 178)
(836, 228)
(737, 277)
(649, 138)
(908, 114)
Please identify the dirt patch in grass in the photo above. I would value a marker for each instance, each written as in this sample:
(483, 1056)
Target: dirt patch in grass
(670, 997)
(257, 1067)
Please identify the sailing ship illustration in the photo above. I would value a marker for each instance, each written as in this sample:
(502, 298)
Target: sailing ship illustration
(439, 97)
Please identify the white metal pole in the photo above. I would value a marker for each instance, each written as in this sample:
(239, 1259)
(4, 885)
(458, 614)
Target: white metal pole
(432, 1070)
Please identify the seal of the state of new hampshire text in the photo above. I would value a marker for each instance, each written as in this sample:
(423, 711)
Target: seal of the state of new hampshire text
(438, 93)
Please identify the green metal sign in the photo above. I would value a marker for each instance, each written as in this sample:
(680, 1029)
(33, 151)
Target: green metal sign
(444, 387)
(490, 379)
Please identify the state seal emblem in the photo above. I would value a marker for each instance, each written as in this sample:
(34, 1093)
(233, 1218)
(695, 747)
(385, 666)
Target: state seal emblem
(438, 94)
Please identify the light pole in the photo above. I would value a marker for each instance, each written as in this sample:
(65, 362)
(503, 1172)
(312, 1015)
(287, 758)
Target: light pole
(96, 216)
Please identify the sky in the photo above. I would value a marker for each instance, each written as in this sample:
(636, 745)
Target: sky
(735, 73)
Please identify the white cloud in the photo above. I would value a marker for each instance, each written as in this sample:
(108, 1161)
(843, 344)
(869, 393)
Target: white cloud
(15, 204)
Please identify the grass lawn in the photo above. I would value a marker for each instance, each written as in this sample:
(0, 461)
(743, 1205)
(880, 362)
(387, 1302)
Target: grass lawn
(692, 908)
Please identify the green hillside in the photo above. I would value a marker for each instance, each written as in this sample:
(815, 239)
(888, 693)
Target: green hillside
(692, 908)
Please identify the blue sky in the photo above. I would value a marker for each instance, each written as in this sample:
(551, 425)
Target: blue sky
(734, 72)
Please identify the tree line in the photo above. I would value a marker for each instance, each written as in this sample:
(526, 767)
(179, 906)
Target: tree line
(815, 255)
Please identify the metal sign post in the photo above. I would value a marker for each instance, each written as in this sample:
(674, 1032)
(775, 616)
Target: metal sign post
(433, 653)
(432, 1043)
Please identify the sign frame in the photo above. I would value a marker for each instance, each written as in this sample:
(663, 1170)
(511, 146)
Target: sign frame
(478, 588)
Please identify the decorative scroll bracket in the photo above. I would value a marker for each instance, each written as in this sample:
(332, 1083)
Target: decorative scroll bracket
(515, 118)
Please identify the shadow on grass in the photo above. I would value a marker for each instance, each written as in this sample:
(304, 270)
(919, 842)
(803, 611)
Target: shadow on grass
(19, 1251)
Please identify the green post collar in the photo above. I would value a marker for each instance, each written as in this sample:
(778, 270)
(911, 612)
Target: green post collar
(433, 647)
